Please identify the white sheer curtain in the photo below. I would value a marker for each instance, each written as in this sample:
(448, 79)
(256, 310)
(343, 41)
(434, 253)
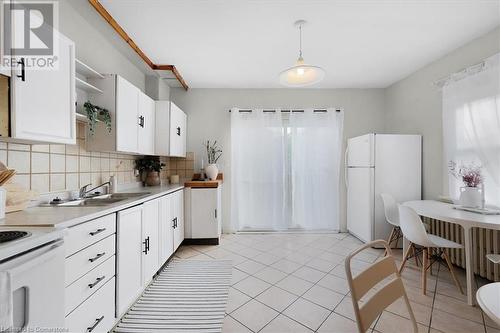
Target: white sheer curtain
(257, 179)
(315, 150)
(471, 126)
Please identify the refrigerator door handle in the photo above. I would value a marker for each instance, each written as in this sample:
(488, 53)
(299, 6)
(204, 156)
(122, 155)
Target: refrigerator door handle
(346, 167)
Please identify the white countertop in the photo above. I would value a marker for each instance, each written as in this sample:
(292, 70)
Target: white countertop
(63, 217)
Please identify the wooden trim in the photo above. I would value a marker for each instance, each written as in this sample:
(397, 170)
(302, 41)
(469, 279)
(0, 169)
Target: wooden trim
(112, 22)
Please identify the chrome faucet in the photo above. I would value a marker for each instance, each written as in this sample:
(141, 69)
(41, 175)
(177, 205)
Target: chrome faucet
(83, 190)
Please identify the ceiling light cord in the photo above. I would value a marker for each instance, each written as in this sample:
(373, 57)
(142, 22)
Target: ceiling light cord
(300, 41)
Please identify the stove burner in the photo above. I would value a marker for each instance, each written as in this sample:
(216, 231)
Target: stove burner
(7, 236)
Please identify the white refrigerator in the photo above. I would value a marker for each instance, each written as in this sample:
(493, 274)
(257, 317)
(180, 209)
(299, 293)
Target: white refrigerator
(375, 164)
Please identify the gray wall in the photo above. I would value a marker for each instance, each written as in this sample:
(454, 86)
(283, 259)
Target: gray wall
(413, 105)
(208, 117)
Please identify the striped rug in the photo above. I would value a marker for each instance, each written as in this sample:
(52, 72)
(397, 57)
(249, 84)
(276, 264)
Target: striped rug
(187, 296)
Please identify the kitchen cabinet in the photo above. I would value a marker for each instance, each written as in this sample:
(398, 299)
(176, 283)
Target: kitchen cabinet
(165, 229)
(43, 101)
(129, 258)
(132, 118)
(127, 121)
(177, 208)
(150, 252)
(146, 115)
(170, 134)
(203, 213)
(4, 70)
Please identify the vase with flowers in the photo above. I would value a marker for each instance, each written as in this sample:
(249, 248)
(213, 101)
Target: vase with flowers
(150, 167)
(471, 176)
(213, 154)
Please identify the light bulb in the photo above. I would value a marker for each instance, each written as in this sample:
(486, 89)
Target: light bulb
(300, 71)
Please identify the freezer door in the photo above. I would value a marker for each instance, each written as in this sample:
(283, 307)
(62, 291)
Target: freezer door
(361, 152)
(360, 202)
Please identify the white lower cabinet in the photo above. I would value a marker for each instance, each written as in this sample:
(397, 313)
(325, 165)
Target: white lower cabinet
(150, 214)
(97, 314)
(165, 230)
(177, 207)
(129, 258)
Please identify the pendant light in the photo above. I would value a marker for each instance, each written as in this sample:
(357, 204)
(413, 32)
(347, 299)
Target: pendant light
(301, 74)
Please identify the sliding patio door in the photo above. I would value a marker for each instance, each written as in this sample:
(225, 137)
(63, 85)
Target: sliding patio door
(285, 169)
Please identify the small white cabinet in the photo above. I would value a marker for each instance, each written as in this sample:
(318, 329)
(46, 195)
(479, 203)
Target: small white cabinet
(203, 213)
(43, 101)
(171, 123)
(146, 115)
(165, 230)
(177, 207)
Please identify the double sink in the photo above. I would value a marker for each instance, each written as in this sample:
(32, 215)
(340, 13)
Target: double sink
(99, 200)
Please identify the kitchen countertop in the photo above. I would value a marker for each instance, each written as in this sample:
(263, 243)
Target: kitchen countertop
(63, 217)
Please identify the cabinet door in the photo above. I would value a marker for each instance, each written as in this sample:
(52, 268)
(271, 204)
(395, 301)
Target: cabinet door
(43, 101)
(178, 122)
(128, 258)
(204, 221)
(165, 229)
(178, 209)
(4, 70)
(127, 121)
(146, 135)
(150, 212)
(162, 131)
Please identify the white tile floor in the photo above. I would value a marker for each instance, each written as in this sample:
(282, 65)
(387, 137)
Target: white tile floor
(296, 283)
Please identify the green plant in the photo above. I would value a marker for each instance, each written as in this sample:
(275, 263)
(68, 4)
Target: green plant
(149, 163)
(94, 113)
(213, 152)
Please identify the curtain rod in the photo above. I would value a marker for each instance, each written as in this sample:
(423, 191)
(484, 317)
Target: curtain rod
(288, 111)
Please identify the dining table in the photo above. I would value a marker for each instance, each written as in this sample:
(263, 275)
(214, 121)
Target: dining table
(467, 220)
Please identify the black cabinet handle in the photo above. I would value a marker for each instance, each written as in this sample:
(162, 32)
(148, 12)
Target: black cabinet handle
(141, 121)
(146, 245)
(23, 70)
(99, 279)
(178, 131)
(97, 321)
(216, 213)
(97, 257)
(98, 231)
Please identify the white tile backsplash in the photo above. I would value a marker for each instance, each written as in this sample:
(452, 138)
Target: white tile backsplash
(71, 163)
(84, 164)
(57, 163)
(40, 163)
(19, 160)
(57, 182)
(40, 182)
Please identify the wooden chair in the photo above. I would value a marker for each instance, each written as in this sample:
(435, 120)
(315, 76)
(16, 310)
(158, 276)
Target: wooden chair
(432, 247)
(385, 268)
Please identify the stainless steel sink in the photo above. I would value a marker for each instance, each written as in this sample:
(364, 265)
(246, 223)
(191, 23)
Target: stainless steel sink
(99, 200)
(90, 202)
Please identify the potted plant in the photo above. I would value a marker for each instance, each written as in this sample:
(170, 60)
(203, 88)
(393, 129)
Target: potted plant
(213, 154)
(471, 177)
(94, 113)
(151, 167)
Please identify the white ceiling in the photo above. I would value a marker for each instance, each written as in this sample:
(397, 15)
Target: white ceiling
(246, 43)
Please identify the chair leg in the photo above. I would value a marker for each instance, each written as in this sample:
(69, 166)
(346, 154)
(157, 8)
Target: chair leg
(405, 258)
(389, 241)
(429, 257)
(415, 255)
(424, 271)
(452, 272)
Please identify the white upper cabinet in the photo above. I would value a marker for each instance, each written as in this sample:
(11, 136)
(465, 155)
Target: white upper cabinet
(43, 101)
(146, 116)
(127, 119)
(162, 131)
(178, 124)
(132, 118)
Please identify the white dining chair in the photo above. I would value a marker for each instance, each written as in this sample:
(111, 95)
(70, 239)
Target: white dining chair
(432, 247)
(392, 217)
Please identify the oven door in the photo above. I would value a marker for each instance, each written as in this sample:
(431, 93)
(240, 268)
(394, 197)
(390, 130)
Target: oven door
(37, 285)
